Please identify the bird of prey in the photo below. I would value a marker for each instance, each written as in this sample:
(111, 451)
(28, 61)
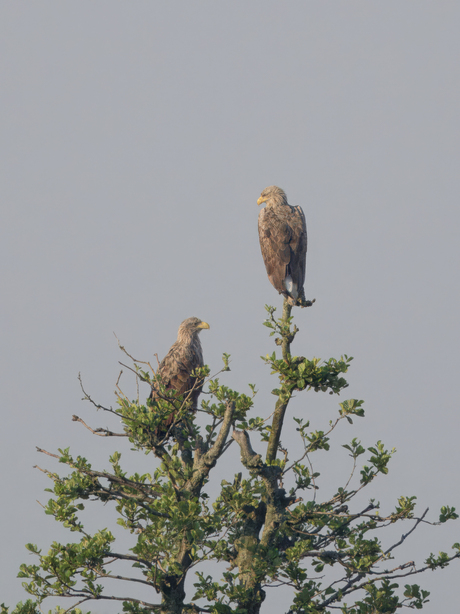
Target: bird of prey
(177, 366)
(283, 242)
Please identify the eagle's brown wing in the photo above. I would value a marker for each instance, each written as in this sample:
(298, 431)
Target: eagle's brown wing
(283, 242)
(298, 249)
(175, 371)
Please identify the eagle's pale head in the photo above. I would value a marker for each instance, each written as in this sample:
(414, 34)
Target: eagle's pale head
(191, 327)
(273, 195)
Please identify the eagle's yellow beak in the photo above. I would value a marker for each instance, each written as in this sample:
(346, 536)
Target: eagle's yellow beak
(203, 325)
(261, 200)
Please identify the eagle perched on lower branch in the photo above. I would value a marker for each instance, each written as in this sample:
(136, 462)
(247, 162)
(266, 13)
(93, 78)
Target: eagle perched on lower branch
(283, 242)
(177, 366)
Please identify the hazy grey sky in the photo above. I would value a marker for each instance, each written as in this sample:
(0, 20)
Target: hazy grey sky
(135, 139)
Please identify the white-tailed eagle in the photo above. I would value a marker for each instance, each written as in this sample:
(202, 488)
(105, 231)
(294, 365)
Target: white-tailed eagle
(283, 242)
(177, 367)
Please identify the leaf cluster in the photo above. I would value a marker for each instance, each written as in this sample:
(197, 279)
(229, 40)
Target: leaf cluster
(327, 551)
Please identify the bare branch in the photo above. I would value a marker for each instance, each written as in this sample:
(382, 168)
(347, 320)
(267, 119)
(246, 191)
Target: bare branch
(99, 431)
(47, 453)
(141, 362)
(403, 537)
(136, 373)
(88, 398)
(115, 577)
(130, 557)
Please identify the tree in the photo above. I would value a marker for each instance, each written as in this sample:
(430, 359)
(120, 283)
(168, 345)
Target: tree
(265, 533)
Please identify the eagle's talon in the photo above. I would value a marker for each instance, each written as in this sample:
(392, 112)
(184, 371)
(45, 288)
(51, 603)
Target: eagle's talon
(306, 303)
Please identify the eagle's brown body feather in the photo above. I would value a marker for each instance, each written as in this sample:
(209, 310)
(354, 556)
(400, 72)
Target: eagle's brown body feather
(177, 366)
(283, 242)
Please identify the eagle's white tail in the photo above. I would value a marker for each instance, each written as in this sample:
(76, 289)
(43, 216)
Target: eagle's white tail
(291, 287)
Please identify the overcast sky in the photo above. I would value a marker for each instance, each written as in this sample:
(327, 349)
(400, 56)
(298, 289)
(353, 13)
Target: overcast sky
(135, 139)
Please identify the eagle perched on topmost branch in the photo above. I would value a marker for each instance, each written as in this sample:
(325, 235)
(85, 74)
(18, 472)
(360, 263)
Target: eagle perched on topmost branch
(177, 366)
(283, 242)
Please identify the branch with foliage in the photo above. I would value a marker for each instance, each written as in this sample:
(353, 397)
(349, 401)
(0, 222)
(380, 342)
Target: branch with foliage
(267, 525)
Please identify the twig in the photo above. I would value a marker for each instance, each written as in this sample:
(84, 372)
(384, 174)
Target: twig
(403, 537)
(142, 362)
(138, 375)
(47, 453)
(99, 431)
(114, 577)
(88, 398)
